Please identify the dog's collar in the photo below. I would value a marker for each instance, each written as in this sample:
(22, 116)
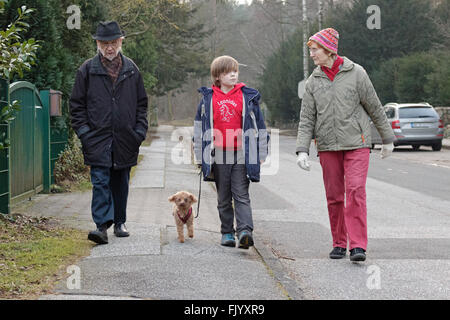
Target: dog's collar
(186, 217)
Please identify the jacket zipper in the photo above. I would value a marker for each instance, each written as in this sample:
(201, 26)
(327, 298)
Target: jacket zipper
(211, 123)
(252, 115)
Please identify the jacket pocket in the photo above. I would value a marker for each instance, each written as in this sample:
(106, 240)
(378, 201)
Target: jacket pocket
(134, 137)
(357, 125)
(86, 141)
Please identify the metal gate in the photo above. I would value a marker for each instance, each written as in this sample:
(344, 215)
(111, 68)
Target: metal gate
(4, 154)
(27, 133)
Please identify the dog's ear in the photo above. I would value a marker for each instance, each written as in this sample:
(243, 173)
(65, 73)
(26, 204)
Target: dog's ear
(193, 198)
(172, 198)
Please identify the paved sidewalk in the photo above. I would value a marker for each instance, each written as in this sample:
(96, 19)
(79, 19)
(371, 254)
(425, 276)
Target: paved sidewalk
(151, 263)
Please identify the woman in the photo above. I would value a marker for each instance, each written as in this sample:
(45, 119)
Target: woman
(336, 106)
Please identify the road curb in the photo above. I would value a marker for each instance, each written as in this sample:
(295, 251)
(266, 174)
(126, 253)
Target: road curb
(276, 269)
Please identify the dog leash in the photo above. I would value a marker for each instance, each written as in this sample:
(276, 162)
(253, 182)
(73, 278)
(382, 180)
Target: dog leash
(199, 192)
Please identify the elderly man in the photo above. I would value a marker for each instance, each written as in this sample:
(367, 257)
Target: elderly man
(108, 106)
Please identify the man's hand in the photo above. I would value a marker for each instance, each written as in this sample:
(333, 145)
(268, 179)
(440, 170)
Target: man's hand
(386, 150)
(303, 161)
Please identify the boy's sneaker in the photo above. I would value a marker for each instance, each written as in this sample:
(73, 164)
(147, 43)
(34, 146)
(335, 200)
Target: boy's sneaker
(357, 254)
(245, 239)
(338, 253)
(228, 240)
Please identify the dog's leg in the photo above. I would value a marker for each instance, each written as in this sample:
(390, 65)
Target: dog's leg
(180, 232)
(190, 227)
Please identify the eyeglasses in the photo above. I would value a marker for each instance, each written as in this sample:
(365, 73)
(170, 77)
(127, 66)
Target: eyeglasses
(106, 44)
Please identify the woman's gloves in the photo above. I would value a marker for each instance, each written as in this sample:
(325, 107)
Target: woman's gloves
(303, 161)
(386, 150)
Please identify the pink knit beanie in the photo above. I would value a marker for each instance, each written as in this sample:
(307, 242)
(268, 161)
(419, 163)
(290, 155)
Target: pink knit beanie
(327, 38)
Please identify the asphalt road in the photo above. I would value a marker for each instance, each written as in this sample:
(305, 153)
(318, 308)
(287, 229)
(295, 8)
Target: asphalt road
(425, 171)
(408, 199)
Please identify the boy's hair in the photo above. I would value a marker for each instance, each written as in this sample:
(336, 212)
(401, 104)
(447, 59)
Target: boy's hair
(220, 65)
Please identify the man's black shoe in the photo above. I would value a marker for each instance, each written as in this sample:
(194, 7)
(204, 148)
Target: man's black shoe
(357, 254)
(99, 236)
(120, 230)
(338, 253)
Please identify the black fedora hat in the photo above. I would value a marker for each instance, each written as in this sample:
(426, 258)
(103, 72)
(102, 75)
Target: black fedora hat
(107, 31)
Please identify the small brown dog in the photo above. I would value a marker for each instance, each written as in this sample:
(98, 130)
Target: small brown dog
(183, 212)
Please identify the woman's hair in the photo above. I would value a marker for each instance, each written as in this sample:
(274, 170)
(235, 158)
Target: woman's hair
(331, 54)
(220, 65)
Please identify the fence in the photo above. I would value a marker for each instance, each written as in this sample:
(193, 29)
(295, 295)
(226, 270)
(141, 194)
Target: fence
(26, 167)
(28, 149)
(59, 133)
(4, 154)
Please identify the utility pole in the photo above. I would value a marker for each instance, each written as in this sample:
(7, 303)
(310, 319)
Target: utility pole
(214, 39)
(320, 14)
(305, 40)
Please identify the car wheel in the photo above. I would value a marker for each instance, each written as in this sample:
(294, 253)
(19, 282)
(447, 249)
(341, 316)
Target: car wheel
(437, 146)
(416, 147)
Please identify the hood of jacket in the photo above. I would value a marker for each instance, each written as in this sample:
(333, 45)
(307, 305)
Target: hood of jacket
(249, 94)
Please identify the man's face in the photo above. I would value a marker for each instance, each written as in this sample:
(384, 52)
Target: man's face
(110, 49)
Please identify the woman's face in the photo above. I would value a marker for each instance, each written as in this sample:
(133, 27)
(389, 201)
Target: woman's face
(320, 56)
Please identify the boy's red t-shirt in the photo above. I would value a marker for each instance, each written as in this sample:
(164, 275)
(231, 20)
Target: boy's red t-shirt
(227, 116)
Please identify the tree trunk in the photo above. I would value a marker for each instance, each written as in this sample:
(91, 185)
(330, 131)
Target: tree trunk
(169, 105)
(320, 14)
(305, 40)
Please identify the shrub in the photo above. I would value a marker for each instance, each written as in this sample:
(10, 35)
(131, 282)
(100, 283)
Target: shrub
(70, 170)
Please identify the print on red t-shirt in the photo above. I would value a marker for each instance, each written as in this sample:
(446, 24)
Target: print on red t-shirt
(227, 113)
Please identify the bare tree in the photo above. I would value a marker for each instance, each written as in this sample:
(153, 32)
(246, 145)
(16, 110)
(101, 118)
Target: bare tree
(305, 40)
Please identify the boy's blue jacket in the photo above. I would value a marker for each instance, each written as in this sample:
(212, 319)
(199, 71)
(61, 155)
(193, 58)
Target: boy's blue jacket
(255, 137)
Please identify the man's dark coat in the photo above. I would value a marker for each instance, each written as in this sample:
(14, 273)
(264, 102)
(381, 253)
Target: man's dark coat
(110, 119)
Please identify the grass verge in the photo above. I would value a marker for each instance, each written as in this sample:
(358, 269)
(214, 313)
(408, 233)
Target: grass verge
(34, 254)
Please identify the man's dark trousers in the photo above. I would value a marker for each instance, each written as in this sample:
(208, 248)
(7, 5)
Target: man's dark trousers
(109, 195)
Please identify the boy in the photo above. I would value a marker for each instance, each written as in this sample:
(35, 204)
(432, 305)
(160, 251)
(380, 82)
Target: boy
(230, 143)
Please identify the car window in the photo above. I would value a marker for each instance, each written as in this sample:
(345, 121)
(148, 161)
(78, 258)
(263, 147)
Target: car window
(390, 112)
(417, 112)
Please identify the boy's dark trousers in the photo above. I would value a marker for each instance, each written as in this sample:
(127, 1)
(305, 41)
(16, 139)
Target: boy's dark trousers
(109, 195)
(232, 183)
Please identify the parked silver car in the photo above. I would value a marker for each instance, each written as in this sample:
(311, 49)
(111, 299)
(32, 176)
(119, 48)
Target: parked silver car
(415, 124)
